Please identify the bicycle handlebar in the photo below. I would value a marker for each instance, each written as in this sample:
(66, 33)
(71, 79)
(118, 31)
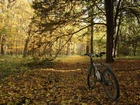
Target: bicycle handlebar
(97, 55)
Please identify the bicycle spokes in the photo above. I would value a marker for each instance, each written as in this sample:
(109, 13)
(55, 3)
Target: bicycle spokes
(110, 87)
(91, 79)
(111, 84)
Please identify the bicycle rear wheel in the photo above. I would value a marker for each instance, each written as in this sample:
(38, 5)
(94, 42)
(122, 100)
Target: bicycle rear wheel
(111, 85)
(91, 78)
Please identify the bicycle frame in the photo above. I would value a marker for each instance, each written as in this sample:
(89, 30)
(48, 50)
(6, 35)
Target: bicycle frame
(96, 65)
(103, 75)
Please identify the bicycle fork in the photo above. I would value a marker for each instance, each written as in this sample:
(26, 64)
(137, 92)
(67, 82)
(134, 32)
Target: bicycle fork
(96, 73)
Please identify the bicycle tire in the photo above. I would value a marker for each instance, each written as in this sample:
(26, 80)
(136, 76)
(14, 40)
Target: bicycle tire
(91, 78)
(111, 85)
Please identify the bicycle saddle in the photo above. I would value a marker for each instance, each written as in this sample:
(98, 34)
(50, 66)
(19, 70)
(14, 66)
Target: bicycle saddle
(100, 54)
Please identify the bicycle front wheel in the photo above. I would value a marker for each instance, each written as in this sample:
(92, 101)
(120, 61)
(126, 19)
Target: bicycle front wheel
(91, 79)
(111, 85)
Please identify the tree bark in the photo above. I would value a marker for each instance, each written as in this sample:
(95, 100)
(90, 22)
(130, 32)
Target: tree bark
(110, 30)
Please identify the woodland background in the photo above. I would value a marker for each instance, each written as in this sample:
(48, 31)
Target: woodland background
(50, 28)
(42, 43)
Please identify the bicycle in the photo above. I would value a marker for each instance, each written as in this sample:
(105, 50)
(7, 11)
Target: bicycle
(107, 78)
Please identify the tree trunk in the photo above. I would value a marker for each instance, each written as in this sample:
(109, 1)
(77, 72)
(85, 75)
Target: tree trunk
(87, 49)
(117, 26)
(117, 38)
(134, 45)
(26, 47)
(110, 30)
(91, 40)
(27, 41)
(68, 49)
(3, 45)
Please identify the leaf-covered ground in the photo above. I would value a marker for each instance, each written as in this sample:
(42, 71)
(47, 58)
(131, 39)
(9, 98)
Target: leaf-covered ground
(65, 83)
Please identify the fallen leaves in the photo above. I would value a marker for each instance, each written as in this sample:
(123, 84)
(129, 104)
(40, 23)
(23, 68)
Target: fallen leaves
(52, 86)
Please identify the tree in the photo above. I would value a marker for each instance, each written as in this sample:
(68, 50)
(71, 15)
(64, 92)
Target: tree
(110, 29)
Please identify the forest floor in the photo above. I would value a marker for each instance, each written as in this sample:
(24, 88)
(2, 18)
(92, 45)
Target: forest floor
(64, 82)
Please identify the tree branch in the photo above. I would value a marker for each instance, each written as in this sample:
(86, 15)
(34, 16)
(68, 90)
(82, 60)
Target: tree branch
(70, 39)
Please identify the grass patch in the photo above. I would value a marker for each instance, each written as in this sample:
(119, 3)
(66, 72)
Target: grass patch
(129, 57)
(10, 65)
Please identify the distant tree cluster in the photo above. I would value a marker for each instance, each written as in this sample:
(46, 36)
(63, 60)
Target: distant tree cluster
(15, 16)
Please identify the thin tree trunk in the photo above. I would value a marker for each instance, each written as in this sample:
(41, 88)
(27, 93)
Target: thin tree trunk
(27, 42)
(26, 47)
(68, 49)
(91, 40)
(118, 28)
(134, 45)
(3, 45)
(117, 38)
